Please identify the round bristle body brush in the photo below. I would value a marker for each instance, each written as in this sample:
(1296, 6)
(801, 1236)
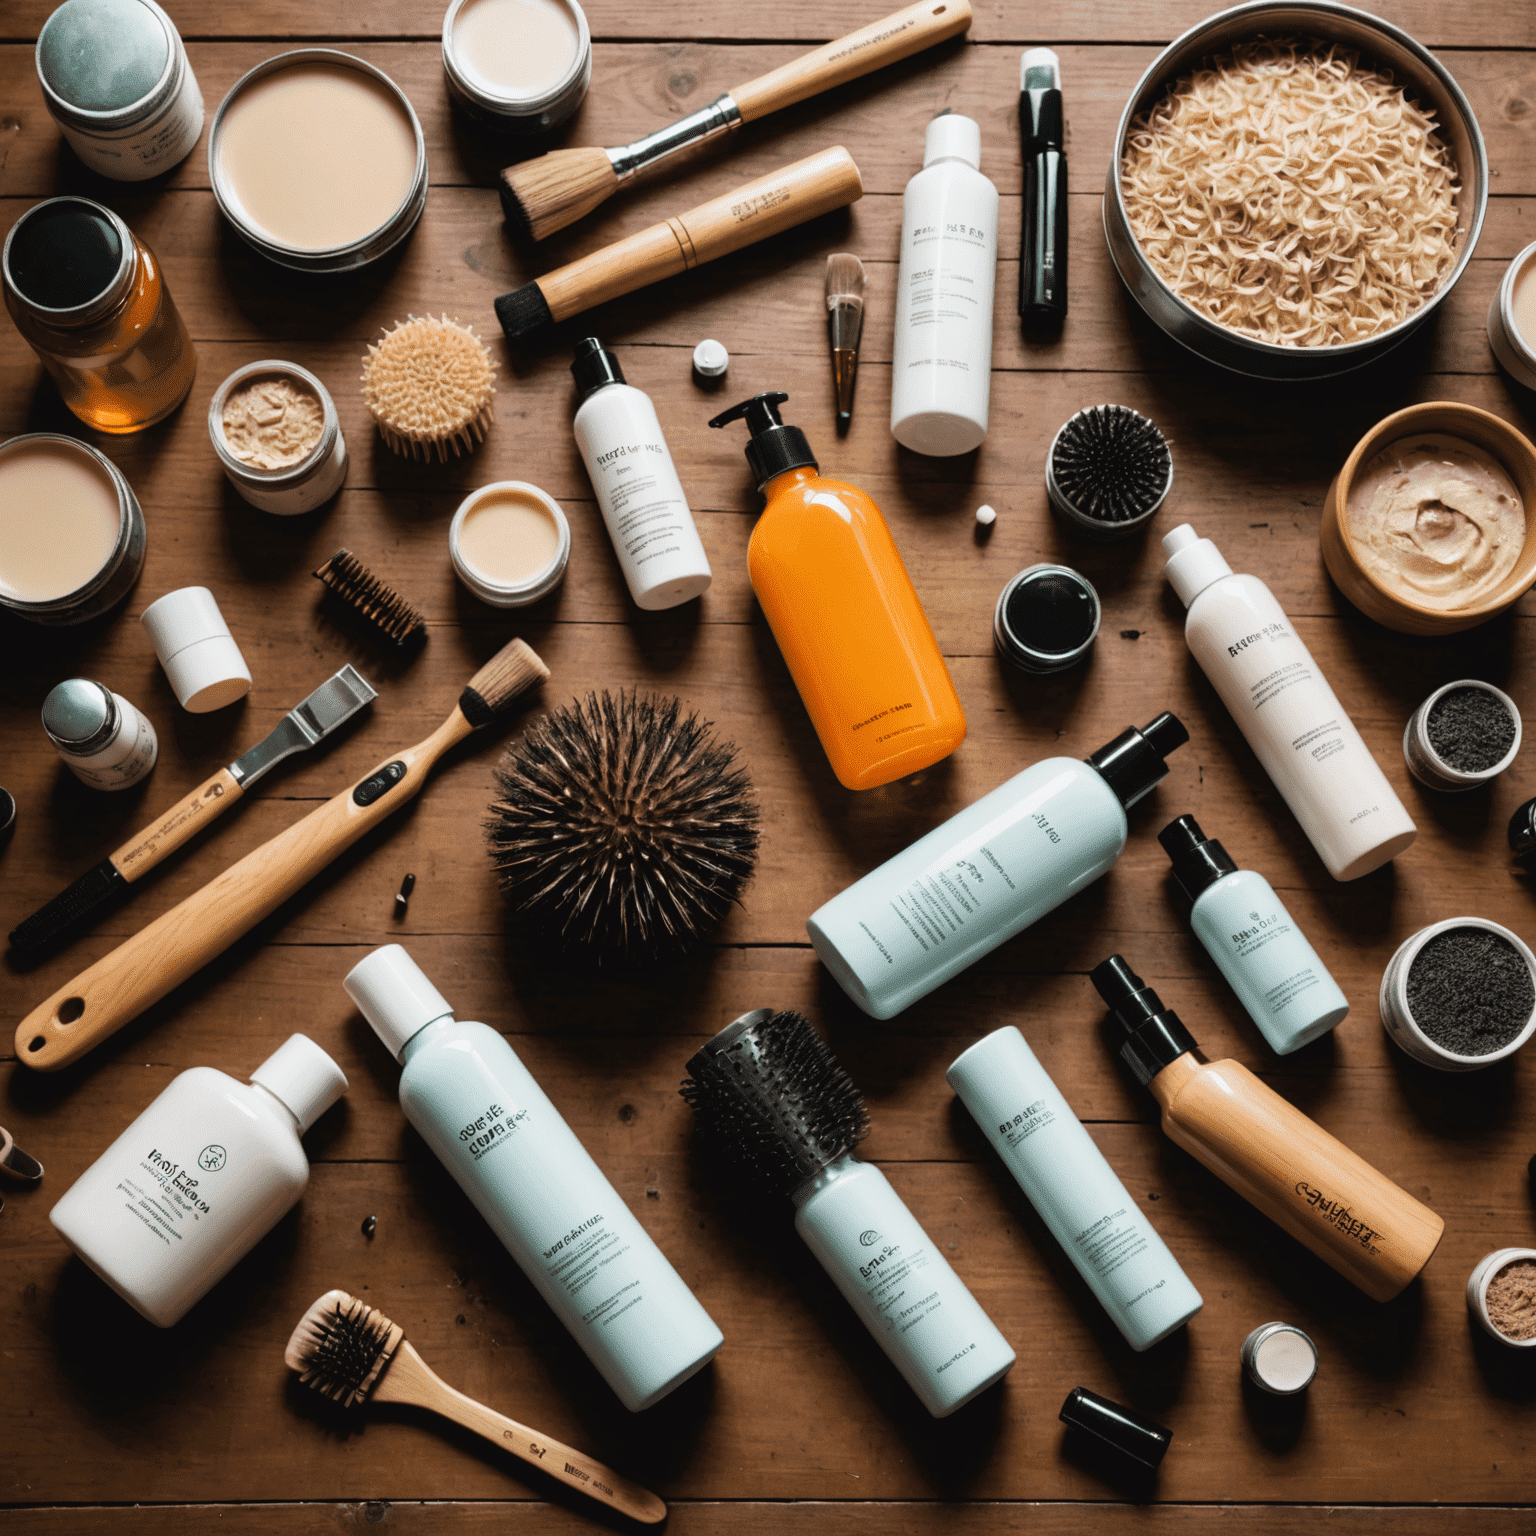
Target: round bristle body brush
(430, 384)
(623, 827)
(350, 1352)
(772, 1102)
(1108, 471)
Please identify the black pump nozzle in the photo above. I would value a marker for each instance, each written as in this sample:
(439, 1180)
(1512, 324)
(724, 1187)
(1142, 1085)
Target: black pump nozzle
(594, 367)
(1198, 861)
(1155, 1036)
(773, 447)
(1134, 763)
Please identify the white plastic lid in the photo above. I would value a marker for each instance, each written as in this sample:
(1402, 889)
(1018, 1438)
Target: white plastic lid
(1193, 563)
(200, 657)
(711, 359)
(952, 137)
(303, 1077)
(395, 996)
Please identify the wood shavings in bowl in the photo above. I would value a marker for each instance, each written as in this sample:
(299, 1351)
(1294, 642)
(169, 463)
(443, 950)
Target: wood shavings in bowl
(1292, 193)
(429, 384)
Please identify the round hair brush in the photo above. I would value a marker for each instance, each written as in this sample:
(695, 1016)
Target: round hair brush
(623, 827)
(1108, 471)
(430, 384)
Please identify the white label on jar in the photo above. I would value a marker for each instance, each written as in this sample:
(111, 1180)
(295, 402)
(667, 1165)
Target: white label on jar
(131, 755)
(145, 151)
(643, 501)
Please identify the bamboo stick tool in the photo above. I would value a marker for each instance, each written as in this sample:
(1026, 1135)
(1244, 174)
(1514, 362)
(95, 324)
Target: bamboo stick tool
(141, 970)
(778, 201)
(351, 1352)
(544, 194)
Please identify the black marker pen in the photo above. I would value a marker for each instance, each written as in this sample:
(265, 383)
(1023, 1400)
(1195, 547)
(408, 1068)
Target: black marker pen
(1043, 269)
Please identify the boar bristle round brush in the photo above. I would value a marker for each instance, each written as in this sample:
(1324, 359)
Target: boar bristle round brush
(1108, 471)
(430, 385)
(623, 827)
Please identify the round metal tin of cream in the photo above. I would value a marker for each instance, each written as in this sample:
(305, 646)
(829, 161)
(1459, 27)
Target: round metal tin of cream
(1432, 770)
(1515, 351)
(1276, 1358)
(304, 486)
(334, 258)
(487, 585)
(529, 112)
(1053, 583)
(1482, 1277)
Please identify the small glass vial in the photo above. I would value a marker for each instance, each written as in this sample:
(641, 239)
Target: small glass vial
(103, 739)
(275, 430)
(88, 298)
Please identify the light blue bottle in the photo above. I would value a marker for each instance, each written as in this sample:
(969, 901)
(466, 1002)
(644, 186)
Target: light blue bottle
(479, 1109)
(1254, 941)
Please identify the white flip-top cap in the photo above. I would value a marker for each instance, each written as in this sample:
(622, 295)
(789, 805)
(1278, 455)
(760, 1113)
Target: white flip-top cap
(395, 996)
(952, 137)
(196, 649)
(1193, 563)
(303, 1077)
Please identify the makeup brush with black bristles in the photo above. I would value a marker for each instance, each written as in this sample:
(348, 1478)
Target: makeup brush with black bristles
(350, 1352)
(1108, 471)
(355, 585)
(845, 320)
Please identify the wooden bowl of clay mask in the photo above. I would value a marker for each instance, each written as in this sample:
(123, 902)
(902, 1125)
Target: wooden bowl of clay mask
(1460, 570)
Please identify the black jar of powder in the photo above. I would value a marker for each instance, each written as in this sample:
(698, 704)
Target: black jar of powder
(1461, 736)
(1046, 619)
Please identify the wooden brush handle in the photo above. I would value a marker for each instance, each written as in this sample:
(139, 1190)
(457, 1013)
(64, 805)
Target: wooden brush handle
(409, 1379)
(141, 970)
(182, 822)
(883, 42)
(778, 201)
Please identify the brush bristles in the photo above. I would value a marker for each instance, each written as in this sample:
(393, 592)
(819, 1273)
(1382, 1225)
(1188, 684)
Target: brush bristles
(514, 669)
(542, 195)
(1111, 464)
(623, 827)
(342, 1346)
(845, 280)
(377, 601)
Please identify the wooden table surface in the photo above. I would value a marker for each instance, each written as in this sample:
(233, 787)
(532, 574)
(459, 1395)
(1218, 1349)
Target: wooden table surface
(801, 1426)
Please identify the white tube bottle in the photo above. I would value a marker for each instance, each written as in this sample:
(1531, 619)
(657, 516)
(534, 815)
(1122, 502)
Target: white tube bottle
(1070, 1183)
(1282, 703)
(198, 1179)
(494, 1129)
(103, 739)
(941, 377)
(637, 488)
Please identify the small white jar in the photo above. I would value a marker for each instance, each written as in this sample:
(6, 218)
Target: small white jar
(300, 487)
(1432, 770)
(104, 741)
(514, 584)
(515, 108)
(1398, 1020)
(1515, 351)
(1482, 1277)
(1279, 1359)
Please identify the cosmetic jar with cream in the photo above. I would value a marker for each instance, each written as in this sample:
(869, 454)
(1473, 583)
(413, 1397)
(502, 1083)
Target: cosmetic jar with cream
(519, 65)
(1512, 319)
(318, 161)
(71, 530)
(1462, 736)
(1046, 619)
(1501, 1295)
(116, 80)
(1280, 1359)
(509, 543)
(275, 430)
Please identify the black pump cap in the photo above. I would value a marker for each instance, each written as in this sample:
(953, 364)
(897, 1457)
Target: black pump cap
(1522, 832)
(773, 447)
(1198, 861)
(1133, 763)
(595, 367)
(1155, 1036)
(1144, 1440)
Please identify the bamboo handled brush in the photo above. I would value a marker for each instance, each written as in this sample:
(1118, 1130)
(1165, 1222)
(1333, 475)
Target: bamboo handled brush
(141, 970)
(351, 1352)
(544, 194)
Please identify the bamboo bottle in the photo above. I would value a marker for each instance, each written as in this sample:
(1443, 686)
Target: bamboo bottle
(1352, 1217)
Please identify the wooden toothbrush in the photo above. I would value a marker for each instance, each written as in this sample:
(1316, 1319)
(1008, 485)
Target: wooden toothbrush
(141, 970)
(351, 1352)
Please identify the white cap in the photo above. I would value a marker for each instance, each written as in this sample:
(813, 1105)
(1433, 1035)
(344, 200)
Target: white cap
(196, 649)
(952, 137)
(711, 359)
(1193, 563)
(303, 1077)
(395, 996)
(986, 516)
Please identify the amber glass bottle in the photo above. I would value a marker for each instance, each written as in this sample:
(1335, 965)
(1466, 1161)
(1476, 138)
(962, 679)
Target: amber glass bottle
(90, 300)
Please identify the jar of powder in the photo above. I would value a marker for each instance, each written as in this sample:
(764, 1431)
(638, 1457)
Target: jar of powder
(1461, 736)
(509, 543)
(1460, 994)
(522, 66)
(275, 430)
(1501, 1294)
(1512, 319)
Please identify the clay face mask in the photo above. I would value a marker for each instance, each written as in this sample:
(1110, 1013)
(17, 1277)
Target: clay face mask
(272, 422)
(59, 521)
(509, 538)
(515, 47)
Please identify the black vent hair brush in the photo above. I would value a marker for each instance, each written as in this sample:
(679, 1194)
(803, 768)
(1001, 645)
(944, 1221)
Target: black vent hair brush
(375, 601)
(770, 1097)
(623, 827)
(1108, 471)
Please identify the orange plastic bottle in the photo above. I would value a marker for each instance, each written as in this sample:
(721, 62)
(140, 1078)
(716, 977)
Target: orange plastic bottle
(844, 612)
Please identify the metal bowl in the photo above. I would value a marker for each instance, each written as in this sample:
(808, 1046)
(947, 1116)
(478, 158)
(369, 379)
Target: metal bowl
(1378, 42)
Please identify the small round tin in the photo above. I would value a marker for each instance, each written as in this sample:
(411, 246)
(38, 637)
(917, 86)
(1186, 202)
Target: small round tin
(1515, 351)
(526, 112)
(1487, 1270)
(1432, 770)
(485, 586)
(1280, 1359)
(1046, 619)
(303, 486)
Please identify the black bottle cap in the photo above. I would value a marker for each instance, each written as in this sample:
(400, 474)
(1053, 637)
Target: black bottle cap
(773, 447)
(1198, 861)
(1134, 1435)
(1133, 763)
(1155, 1036)
(594, 368)
(1522, 831)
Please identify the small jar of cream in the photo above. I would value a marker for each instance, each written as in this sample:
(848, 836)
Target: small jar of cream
(1512, 319)
(71, 530)
(509, 543)
(116, 80)
(519, 65)
(1462, 736)
(1279, 1359)
(1046, 619)
(275, 430)
(104, 741)
(1501, 1294)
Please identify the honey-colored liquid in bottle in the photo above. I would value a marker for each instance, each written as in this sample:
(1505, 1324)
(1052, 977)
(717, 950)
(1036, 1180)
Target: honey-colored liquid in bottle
(847, 619)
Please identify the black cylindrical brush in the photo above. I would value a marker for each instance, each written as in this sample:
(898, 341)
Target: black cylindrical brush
(1108, 471)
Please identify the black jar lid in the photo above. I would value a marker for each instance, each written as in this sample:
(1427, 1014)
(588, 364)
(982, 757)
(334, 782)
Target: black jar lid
(1046, 619)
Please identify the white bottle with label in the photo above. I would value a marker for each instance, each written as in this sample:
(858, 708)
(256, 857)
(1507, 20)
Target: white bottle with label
(637, 488)
(941, 378)
(103, 739)
(1282, 703)
(199, 1179)
(494, 1129)
(1070, 1183)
